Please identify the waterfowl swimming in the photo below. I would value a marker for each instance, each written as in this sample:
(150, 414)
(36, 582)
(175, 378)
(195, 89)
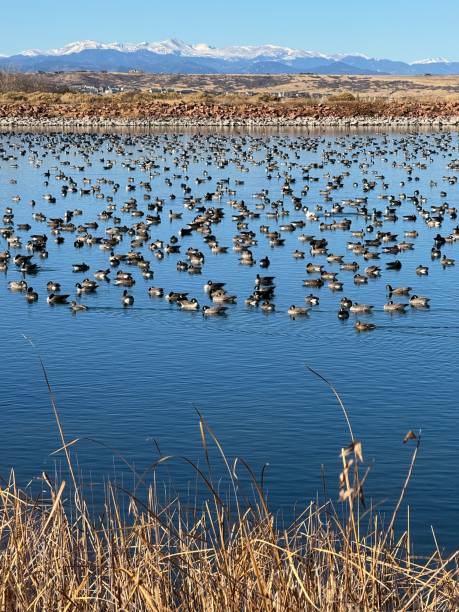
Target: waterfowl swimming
(102, 274)
(221, 297)
(175, 296)
(422, 270)
(361, 308)
(18, 285)
(418, 301)
(189, 304)
(345, 302)
(343, 313)
(264, 262)
(31, 295)
(211, 286)
(394, 265)
(77, 307)
(297, 311)
(398, 290)
(127, 299)
(213, 311)
(394, 306)
(361, 326)
(267, 306)
(447, 261)
(80, 267)
(311, 299)
(52, 286)
(54, 298)
(156, 291)
(264, 281)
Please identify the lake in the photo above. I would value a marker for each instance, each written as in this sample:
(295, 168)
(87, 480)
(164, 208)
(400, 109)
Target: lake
(130, 380)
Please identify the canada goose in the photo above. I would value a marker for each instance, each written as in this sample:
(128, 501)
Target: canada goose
(31, 295)
(175, 296)
(264, 262)
(345, 302)
(417, 301)
(398, 290)
(264, 281)
(52, 286)
(213, 311)
(360, 326)
(189, 304)
(297, 311)
(221, 297)
(75, 307)
(343, 313)
(80, 267)
(447, 261)
(211, 286)
(102, 274)
(394, 265)
(311, 299)
(361, 308)
(422, 270)
(394, 306)
(18, 285)
(127, 299)
(54, 298)
(267, 306)
(156, 291)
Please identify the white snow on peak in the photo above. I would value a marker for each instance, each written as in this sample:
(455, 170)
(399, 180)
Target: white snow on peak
(432, 60)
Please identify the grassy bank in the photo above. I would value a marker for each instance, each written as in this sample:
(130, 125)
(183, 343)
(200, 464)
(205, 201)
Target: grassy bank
(222, 555)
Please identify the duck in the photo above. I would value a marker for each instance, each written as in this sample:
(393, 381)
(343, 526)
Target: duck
(54, 298)
(297, 311)
(127, 299)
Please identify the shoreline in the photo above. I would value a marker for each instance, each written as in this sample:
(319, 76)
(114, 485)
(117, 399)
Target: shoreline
(255, 122)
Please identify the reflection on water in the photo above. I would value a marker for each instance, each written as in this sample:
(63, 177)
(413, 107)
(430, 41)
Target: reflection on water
(133, 378)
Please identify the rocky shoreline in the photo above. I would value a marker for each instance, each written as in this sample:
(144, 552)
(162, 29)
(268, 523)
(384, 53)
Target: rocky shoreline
(246, 122)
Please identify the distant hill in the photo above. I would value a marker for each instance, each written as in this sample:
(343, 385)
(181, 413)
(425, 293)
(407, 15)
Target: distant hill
(174, 56)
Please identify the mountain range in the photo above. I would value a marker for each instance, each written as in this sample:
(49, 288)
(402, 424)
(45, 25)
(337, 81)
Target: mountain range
(175, 56)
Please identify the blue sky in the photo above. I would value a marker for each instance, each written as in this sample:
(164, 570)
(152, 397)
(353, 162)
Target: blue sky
(398, 29)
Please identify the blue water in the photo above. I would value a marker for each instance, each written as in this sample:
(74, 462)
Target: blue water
(129, 379)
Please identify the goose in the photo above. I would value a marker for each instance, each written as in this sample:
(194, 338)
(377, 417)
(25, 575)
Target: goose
(31, 295)
(398, 290)
(311, 299)
(52, 286)
(175, 296)
(345, 303)
(361, 308)
(267, 306)
(221, 297)
(75, 307)
(18, 285)
(189, 304)
(343, 313)
(211, 286)
(447, 261)
(422, 270)
(213, 311)
(395, 307)
(127, 299)
(360, 326)
(155, 291)
(297, 311)
(418, 301)
(54, 298)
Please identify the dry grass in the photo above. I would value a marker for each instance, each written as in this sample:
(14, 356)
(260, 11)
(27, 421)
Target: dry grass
(54, 556)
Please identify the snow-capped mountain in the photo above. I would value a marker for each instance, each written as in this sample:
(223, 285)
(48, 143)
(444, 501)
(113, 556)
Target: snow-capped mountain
(174, 55)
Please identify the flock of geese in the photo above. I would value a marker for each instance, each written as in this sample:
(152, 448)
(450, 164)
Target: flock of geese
(123, 217)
